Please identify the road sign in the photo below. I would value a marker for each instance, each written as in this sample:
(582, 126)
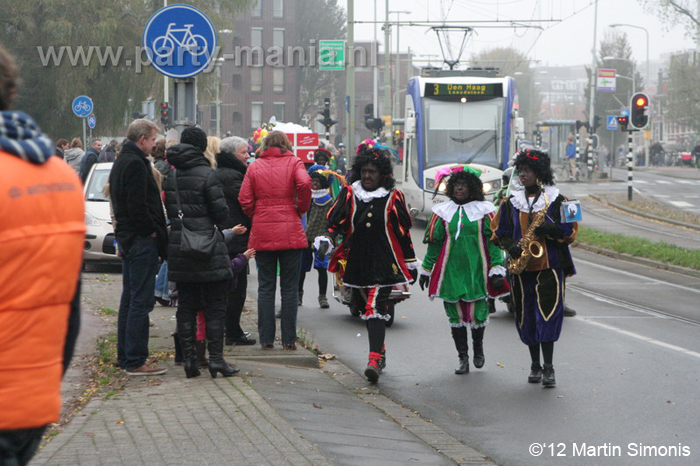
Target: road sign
(179, 40)
(91, 121)
(82, 106)
(331, 55)
(605, 80)
(611, 123)
(625, 112)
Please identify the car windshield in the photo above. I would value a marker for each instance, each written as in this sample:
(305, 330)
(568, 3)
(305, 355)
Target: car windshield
(463, 132)
(97, 182)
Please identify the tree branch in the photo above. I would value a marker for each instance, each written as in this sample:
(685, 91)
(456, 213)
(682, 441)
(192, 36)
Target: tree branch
(684, 11)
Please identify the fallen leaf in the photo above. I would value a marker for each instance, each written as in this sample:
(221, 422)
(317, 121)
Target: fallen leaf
(317, 406)
(120, 422)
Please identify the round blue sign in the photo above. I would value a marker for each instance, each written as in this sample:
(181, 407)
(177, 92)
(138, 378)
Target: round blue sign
(179, 40)
(82, 106)
(91, 121)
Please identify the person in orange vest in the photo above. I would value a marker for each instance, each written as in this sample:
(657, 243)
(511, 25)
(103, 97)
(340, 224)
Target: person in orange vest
(41, 248)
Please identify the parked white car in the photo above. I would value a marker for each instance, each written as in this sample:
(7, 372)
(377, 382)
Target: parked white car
(100, 244)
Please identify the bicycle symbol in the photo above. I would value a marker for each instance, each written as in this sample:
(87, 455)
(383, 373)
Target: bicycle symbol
(82, 105)
(164, 45)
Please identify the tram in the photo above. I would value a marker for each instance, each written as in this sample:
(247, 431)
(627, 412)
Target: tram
(456, 117)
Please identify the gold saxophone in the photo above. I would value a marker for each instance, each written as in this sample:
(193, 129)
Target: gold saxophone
(527, 243)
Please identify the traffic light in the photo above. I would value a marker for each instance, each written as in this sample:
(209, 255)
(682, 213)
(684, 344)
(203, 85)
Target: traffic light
(538, 138)
(326, 121)
(369, 117)
(596, 122)
(165, 114)
(581, 124)
(638, 110)
(622, 121)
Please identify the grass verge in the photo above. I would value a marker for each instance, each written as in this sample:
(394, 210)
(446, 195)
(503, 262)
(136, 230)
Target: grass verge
(640, 247)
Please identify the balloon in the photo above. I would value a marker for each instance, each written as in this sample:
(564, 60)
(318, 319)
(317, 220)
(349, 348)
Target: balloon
(263, 133)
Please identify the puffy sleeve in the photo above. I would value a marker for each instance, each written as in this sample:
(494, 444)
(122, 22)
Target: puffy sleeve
(246, 198)
(434, 237)
(502, 224)
(302, 184)
(402, 226)
(495, 253)
(340, 214)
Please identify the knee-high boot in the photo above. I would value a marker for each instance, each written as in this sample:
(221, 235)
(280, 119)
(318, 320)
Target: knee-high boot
(459, 335)
(215, 336)
(478, 345)
(187, 330)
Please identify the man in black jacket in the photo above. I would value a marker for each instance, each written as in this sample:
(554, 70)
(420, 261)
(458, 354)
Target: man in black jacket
(142, 237)
(90, 159)
(231, 168)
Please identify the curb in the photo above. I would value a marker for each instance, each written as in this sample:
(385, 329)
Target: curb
(641, 214)
(638, 260)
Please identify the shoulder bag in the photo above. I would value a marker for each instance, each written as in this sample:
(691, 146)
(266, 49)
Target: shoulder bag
(194, 245)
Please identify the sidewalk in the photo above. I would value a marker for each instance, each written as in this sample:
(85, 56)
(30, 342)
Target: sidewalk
(282, 409)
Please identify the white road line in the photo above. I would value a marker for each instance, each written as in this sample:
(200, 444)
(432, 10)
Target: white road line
(681, 203)
(660, 195)
(641, 181)
(645, 339)
(684, 182)
(663, 182)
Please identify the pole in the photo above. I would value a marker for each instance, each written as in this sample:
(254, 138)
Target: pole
(218, 99)
(375, 71)
(591, 107)
(578, 153)
(630, 165)
(612, 154)
(350, 82)
(84, 135)
(589, 157)
(395, 112)
(387, 64)
(166, 94)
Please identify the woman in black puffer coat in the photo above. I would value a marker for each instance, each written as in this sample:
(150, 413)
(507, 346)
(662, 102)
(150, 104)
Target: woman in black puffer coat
(231, 168)
(201, 284)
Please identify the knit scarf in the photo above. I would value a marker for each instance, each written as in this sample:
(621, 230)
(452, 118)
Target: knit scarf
(22, 137)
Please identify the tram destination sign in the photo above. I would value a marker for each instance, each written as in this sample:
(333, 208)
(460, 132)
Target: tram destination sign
(475, 91)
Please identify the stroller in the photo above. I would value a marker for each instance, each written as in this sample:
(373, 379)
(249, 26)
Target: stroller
(345, 296)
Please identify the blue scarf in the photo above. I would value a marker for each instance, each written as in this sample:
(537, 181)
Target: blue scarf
(22, 137)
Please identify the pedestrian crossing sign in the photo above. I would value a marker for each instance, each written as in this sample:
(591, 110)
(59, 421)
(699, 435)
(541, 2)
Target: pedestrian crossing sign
(612, 123)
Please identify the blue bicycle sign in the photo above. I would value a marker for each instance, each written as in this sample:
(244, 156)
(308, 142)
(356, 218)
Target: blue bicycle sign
(180, 41)
(82, 106)
(91, 121)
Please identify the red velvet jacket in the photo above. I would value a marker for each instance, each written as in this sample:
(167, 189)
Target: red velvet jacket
(276, 192)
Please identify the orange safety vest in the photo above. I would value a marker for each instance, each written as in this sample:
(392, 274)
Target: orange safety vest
(42, 230)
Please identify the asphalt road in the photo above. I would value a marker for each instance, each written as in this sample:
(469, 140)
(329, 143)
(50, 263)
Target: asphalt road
(628, 369)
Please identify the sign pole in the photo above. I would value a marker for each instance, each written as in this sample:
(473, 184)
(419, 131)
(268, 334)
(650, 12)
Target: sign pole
(578, 154)
(630, 165)
(84, 135)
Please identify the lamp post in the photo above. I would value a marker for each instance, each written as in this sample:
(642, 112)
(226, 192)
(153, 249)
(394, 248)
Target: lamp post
(648, 77)
(395, 113)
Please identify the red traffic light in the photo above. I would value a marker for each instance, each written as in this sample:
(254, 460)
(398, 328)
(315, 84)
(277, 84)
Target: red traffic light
(164, 105)
(641, 102)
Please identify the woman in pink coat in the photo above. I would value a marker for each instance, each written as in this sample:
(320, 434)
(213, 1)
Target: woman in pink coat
(276, 192)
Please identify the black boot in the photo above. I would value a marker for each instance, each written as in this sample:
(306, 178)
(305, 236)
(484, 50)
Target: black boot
(548, 380)
(215, 336)
(187, 332)
(178, 349)
(201, 350)
(459, 335)
(535, 373)
(478, 345)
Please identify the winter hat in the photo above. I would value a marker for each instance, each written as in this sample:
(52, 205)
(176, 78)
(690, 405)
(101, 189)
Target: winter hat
(195, 137)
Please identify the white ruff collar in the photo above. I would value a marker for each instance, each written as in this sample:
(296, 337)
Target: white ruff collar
(519, 199)
(475, 210)
(367, 196)
(317, 193)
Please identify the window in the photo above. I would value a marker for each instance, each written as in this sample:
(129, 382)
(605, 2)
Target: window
(256, 114)
(213, 112)
(278, 80)
(256, 79)
(278, 38)
(237, 81)
(277, 8)
(256, 37)
(257, 9)
(278, 111)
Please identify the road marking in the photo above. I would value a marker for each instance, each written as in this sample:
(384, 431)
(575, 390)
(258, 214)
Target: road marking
(684, 182)
(645, 339)
(681, 203)
(663, 182)
(641, 181)
(661, 195)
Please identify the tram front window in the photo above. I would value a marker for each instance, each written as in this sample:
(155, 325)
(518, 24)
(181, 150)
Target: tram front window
(463, 132)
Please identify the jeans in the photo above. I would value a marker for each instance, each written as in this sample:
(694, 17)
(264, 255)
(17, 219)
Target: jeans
(18, 446)
(162, 290)
(139, 267)
(290, 266)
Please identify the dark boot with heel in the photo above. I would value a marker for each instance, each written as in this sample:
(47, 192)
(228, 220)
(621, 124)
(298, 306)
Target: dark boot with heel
(187, 332)
(459, 335)
(215, 336)
(178, 349)
(535, 373)
(478, 345)
(548, 380)
(201, 349)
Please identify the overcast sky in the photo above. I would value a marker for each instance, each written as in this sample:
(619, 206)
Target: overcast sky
(566, 41)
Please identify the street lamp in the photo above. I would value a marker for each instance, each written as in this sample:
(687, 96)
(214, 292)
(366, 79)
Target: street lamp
(398, 60)
(646, 32)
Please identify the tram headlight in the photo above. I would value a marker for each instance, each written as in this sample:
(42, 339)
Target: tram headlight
(491, 186)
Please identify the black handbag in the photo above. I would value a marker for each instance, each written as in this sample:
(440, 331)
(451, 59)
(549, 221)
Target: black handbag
(194, 245)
